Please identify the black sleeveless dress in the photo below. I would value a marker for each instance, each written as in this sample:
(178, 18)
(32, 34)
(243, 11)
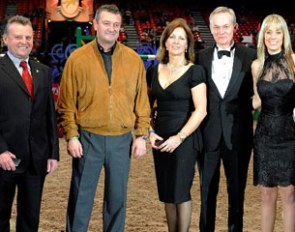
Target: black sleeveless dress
(274, 141)
(175, 171)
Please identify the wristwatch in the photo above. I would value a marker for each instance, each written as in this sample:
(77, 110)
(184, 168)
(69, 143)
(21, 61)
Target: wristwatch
(182, 136)
(142, 136)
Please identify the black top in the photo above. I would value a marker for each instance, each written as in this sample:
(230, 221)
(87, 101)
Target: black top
(274, 144)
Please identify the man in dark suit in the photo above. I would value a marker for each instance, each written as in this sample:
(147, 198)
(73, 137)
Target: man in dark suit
(227, 129)
(28, 133)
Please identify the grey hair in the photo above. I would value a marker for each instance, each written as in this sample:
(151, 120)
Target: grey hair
(223, 9)
(19, 19)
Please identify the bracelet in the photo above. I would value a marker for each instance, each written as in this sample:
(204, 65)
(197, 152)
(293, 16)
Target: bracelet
(141, 136)
(151, 131)
(182, 136)
(74, 137)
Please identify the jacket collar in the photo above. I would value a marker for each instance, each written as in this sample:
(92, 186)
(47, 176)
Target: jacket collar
(100, 48)
(10, 69)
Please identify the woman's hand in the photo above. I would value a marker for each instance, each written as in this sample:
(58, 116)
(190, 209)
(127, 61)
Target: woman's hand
(170, 144)
(154, 138)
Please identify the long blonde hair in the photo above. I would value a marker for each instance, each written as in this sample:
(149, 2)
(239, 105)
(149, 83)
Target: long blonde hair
(280, 23)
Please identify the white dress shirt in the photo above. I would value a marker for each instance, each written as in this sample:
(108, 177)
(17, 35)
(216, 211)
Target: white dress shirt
(222, 70)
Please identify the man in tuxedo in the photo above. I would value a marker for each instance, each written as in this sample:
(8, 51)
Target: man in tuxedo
(227, 129)
(28, 132)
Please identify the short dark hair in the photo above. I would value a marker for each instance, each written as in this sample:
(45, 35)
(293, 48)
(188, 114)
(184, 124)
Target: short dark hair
(112, 8)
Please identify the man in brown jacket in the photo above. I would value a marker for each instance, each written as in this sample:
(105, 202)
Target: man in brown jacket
(103, 99)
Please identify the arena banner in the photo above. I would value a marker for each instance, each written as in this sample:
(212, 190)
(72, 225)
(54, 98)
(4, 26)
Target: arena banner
(69, 10)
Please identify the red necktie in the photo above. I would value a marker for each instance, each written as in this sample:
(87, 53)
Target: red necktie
(27, 77)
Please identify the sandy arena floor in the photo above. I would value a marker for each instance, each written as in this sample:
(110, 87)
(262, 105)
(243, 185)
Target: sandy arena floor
(144, 211)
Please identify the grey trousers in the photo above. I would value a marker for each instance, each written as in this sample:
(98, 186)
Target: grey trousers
(112, 153)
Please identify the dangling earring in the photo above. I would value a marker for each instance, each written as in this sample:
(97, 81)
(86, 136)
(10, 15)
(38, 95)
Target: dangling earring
(186, 50)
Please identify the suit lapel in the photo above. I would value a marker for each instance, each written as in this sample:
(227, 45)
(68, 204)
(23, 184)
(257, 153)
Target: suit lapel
(209, 57)
(35, 72)
(9, 68)
(236, 76)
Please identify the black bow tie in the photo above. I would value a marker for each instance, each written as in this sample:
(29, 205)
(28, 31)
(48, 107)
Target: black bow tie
(223, 53)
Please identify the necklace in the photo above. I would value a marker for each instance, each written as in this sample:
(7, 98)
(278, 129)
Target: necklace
(174, 70)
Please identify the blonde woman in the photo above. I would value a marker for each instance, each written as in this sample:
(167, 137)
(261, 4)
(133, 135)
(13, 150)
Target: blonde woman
(274, 143)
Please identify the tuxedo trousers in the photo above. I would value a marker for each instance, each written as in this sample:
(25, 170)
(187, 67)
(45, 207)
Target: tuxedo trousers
(235, 164)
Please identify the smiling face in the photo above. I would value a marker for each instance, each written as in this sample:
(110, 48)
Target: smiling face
(19, 40)
(107, 28)
(176, 43)
(273, 39)
(222, 29)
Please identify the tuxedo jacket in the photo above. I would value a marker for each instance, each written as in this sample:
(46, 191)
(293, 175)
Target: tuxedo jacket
(27, 127)
(229, 117)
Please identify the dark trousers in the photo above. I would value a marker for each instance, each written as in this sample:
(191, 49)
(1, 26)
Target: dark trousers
(112, 153)
(235, 163)
(29, 194)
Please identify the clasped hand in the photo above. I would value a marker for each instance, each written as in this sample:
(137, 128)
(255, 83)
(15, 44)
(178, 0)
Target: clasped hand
(168, 145)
